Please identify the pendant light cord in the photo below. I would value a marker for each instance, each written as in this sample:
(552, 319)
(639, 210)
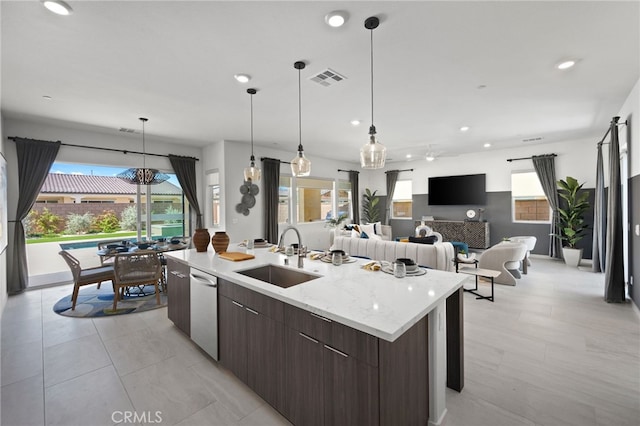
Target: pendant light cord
(372, 129)
(144, 157)
(252, 157)
(299, 113)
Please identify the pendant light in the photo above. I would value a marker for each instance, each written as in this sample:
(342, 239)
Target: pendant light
(300, 165)
(252, 173)
(143, 176)
(373, 154)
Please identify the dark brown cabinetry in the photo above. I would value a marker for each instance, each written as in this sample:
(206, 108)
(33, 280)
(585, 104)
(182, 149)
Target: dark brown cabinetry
(251, 335)
(179, 295)
(329, 380)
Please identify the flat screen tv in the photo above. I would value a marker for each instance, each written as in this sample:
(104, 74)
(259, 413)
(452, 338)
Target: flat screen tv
(457, 190)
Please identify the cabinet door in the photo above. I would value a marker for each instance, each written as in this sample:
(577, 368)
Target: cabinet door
(350, 390)
(304, 398)
(179, 295)
(265, 349)
(232, 336)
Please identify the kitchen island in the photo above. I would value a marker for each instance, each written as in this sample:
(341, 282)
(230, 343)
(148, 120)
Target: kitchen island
(349, 346)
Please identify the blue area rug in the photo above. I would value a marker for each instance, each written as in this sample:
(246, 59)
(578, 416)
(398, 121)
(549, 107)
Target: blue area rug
(94, 303)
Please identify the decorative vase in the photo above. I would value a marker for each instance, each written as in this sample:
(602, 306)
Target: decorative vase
(201, 239)
(220, 242)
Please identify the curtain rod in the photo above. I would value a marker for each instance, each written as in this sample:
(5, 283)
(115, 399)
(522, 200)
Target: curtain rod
(124, 151)
(405, 170)
(529, 158)
(348, 171)
(274, 159)
(614, 120)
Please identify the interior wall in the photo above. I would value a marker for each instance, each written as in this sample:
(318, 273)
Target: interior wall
(629, 136)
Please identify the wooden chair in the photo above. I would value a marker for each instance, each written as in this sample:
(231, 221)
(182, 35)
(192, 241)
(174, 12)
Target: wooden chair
(137, 268)
(85, 276)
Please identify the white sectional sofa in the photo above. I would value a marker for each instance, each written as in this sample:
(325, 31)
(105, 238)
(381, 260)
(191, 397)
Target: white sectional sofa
(435, 256)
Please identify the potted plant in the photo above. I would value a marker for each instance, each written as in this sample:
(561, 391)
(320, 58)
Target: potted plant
(370, 211)
(571, 218)
(335, 223)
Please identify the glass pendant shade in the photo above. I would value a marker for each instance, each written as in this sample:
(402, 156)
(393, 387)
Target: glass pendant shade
(373, 154)
(143, 175)
(300, 165)
(252, 173)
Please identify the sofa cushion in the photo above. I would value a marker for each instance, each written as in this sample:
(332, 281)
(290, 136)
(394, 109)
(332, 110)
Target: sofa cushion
(369, 228)
(431, 239)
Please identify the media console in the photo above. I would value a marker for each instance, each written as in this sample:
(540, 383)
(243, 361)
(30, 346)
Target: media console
(475, 234)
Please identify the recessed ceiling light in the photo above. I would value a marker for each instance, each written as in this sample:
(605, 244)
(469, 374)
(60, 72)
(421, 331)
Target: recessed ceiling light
(487, 145)
(242, 78)
(464, 128)
(430, 157)
(335, 19)
(408, 155)
(566, 65)
(355, 122)
(58, 7)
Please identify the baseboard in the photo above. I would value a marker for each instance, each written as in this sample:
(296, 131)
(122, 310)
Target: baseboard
(635, 307)
(441, 421)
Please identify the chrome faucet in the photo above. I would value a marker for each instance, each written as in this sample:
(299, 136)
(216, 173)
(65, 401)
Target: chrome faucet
(300, 246)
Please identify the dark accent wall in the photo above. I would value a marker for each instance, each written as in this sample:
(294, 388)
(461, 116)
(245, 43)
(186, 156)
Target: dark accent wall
(497, 212)
(634, 240)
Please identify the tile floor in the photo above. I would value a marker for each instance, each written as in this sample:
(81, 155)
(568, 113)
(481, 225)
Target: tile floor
(548, 352)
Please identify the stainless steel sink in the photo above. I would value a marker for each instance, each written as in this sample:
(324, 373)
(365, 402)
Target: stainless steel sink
(277, 275)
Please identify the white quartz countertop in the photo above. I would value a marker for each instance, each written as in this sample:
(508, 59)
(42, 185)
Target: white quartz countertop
(376, 303)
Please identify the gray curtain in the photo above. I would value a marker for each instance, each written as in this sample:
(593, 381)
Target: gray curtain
(271, 181)
(392, 178)
(35, 159)
(599, 218)
(355, 195)
(185, 168)
(545, 168)
(614, 267)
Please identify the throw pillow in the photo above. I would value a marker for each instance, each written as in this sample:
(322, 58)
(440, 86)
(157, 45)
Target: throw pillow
(364, 235)
(355, 234)
(368, 228)
(424, 240)
(377, 227)
(375, 237)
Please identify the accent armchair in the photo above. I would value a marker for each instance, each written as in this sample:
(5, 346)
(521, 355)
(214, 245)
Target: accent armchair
(504, 257)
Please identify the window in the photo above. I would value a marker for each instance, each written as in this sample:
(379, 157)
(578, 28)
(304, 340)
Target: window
(529, 204)
(213, 184)
(402, 204)
(284, 199)
(344, 199)
(315, 199)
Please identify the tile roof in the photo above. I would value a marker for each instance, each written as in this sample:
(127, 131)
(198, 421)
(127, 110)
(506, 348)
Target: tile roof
(59, 183)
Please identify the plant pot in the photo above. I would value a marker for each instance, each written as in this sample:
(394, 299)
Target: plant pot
(220, 242)
(572, 256)
(200, 239)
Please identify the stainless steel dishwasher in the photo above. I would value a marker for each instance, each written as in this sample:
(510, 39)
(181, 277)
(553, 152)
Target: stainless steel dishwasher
(204, 311)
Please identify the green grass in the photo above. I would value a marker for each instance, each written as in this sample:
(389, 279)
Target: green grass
(62, 238)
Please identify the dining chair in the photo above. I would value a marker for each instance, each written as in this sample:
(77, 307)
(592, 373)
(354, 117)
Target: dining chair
(139, 268)
(85, 276)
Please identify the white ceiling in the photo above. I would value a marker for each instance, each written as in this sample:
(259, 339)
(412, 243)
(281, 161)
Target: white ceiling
(173, 61)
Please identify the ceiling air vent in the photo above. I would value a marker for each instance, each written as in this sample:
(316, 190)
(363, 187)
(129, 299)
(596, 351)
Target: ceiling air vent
(327, 77)
(533, 139)
(125, 130)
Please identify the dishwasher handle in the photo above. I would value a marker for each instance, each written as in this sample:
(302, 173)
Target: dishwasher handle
(209, 282)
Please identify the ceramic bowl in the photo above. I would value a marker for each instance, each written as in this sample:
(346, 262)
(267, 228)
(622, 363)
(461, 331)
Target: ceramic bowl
(409, 264)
